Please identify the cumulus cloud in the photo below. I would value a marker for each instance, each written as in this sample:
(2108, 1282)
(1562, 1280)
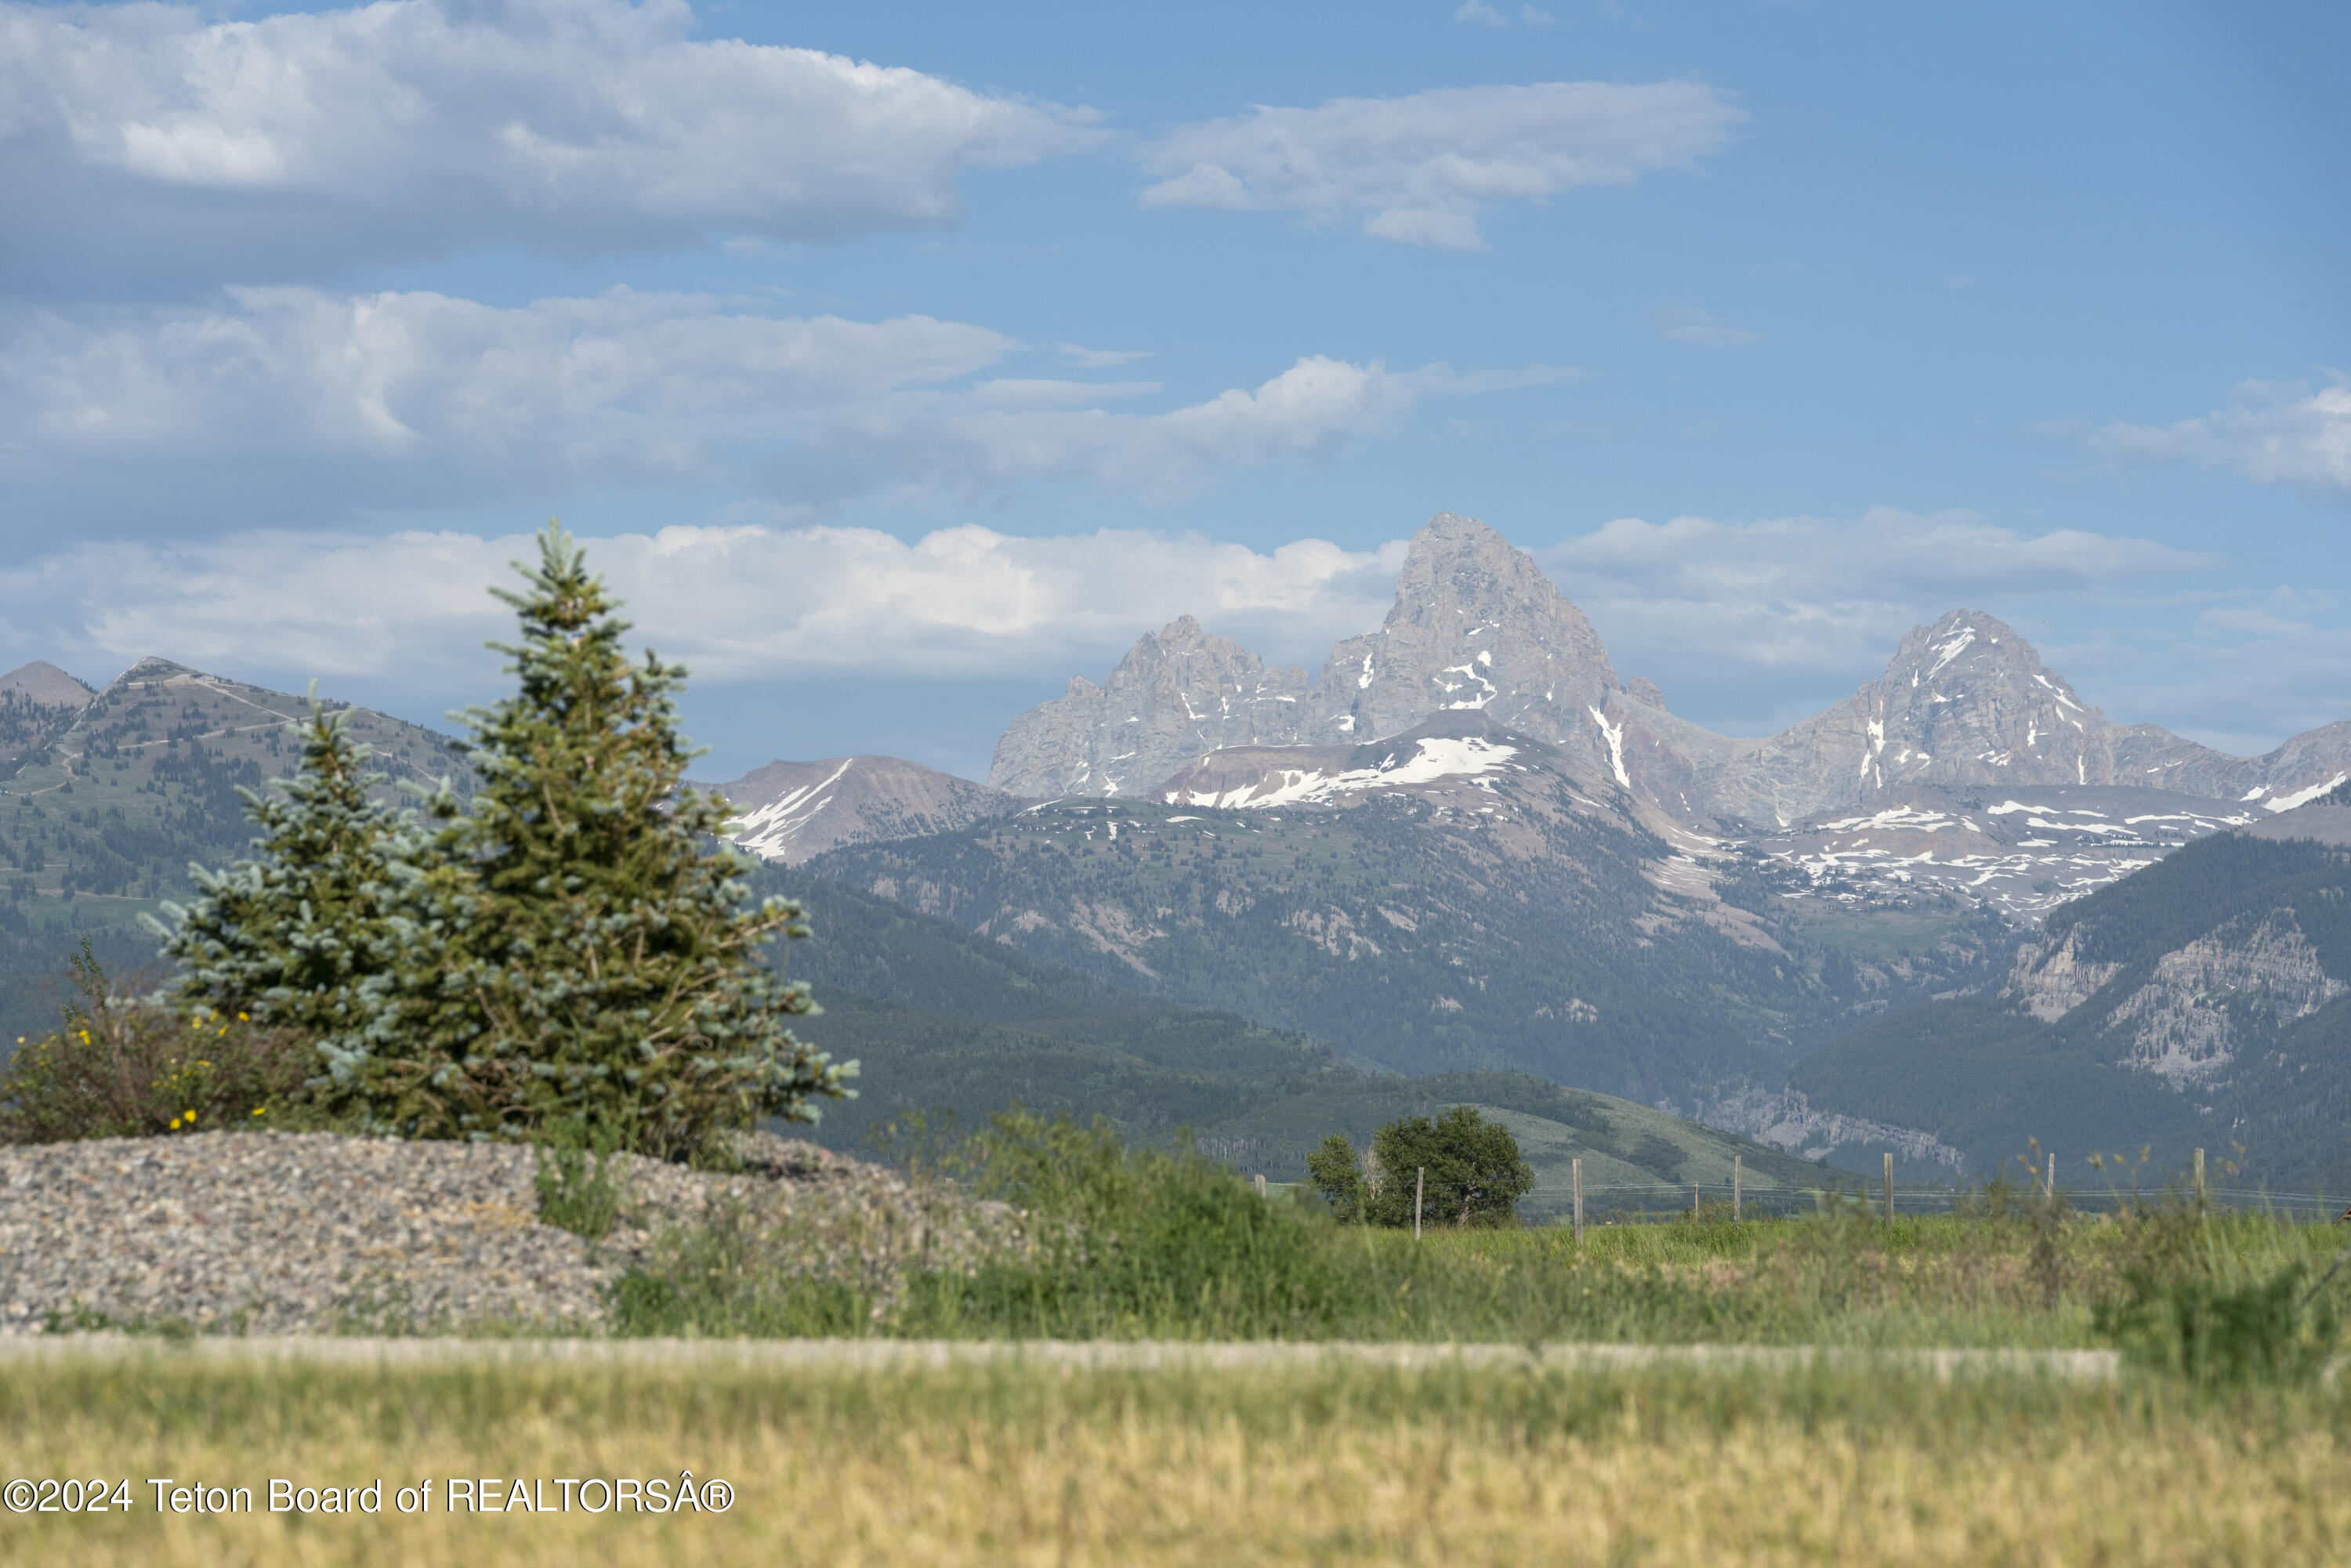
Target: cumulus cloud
(2272, 431)
(151, 140)
(418, 398)
(1744, 607)
(2250, 675)
(1421, 170)
(946, 444)
(736, 603)
(1688, 324)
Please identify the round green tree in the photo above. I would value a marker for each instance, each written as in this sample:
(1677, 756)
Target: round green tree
(1474, 1175)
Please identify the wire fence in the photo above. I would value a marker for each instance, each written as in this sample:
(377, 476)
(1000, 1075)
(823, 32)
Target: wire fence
(1657, 1202)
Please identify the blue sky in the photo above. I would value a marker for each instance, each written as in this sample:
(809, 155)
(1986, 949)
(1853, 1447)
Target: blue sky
(897, 393)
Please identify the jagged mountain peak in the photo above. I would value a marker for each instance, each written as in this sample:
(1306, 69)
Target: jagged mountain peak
(1179, 693)
(1967, 645)
(1476, 625)
(1967, 701)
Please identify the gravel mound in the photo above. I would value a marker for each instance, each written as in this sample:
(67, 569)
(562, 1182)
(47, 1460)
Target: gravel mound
(319, 1233)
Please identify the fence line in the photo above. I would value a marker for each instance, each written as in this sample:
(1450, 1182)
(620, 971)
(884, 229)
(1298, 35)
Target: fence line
(1668, 1201)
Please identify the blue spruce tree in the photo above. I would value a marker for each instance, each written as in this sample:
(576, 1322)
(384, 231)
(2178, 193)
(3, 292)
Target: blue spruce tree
(328, 930)
(619, 977)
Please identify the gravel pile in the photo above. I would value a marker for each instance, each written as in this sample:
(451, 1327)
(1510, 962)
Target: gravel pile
(317, 1233)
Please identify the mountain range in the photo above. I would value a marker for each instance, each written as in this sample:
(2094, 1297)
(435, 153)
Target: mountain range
(1467, 847)
(1964, 705)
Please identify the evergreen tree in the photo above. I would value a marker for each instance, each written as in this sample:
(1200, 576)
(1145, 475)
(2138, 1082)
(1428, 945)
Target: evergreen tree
(617, 975)
(319, 931)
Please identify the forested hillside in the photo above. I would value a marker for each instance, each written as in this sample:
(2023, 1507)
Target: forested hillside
(942, 1019)
(1531, 931)
(2205, 1001)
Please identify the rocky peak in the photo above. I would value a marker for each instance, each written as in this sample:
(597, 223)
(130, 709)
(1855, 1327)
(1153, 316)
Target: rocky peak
(1967, 701)
(1179, 694)
(1475, 624)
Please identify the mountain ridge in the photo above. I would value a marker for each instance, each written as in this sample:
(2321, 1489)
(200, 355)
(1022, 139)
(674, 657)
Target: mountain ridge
(1965, 704)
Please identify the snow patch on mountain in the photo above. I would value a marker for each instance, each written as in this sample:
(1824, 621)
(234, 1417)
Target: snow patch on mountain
(1433, 758)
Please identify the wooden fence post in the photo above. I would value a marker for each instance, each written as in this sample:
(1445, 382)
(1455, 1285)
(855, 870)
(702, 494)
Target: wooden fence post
(1261, 1184)
(1735, 1161)
(2049, 1190)
(1419, 1185)
(1889, 1190)
(1693, 1200)
(1575, 1176)
(2199, 1178)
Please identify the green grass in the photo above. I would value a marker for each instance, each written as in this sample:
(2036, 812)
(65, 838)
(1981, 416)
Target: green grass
(1148, 1244)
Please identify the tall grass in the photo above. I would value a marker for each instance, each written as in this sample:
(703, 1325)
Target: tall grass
(1334, 1465)
(1139, 1243)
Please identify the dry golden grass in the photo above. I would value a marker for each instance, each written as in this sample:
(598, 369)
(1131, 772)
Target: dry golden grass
(988, 1466)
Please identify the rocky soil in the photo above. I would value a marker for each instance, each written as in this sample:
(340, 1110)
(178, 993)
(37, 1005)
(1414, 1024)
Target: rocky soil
(318, 1233)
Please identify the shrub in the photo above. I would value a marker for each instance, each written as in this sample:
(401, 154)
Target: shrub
(2262, 1330)
(1162, 1241)
(127, 1069)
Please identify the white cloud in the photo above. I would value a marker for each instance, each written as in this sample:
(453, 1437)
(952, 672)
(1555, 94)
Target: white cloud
(1703, 599)
(1535, 17)
(1421, 170)
(1477, 13)
(242, 152)
(418, 398)
(1688, 324)
(922, 445)
(735, 603)
(2274, 432)
(1087, 359)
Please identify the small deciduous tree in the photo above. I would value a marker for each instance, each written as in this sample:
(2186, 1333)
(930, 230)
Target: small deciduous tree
(1334, 1172)
(1475, 1175)
(1470, 1168)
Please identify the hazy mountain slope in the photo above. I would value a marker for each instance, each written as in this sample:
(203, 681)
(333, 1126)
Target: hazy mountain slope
(2205, 1001)
(36, 701)
(944, 1018)
(1453, 900)
(144, 779)
(788, 812)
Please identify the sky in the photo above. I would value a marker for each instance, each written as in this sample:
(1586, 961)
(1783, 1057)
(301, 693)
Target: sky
(899, 361)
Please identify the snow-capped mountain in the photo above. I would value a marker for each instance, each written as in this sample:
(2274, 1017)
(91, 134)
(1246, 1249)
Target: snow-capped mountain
(1965, 707)
(790, 811)
(1476, 627)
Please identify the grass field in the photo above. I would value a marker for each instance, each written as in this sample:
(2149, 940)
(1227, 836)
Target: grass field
(1352, 1466)
(2222, 1438)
